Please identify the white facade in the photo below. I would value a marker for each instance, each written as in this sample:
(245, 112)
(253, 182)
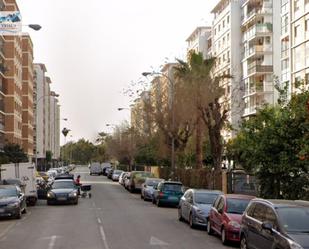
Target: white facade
(226, 47)
(261, 32)
(39, 92)
(199, 41)
(47, 131)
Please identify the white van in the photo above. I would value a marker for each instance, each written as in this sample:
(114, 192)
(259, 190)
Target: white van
(95, 169)
(26, 173)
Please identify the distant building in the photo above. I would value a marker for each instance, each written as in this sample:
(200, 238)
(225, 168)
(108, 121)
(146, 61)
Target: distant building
(198, 41)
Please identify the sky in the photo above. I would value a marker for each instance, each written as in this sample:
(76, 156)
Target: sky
(95, 49)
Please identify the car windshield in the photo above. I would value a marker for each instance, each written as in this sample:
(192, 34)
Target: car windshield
(63, 184)
(172, 187)
(8, 192)
(294, 219)
(152, 183)
(117, 172)
(236, 206)
(142, 174)
(205, 198)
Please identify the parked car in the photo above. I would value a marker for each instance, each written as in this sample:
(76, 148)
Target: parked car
(275, 224)
(104, 167)
(137, 179)
(110, 173)
(147, 187)
(106, 170)
(167, 193)
(127, 180)
(195, 205)
(12, 201)
(225, 216)
(116, 174)
(121, 178)
(63, 191)
(95, 169)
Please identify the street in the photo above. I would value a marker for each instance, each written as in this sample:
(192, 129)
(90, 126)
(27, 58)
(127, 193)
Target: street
(112, 219)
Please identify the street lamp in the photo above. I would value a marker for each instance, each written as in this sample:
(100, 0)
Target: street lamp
(123, 108)
(35, 27)
(171, 82)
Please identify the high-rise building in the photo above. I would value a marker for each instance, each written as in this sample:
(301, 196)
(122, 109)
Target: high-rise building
(12, 83)
(199, 41)
(226, 47)
(261, 53)
(27, 95)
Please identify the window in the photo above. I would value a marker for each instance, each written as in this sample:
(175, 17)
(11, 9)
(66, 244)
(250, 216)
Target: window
(220, 205)
(296, 5)
(259, 212)
(228, 37)
(307, 25)
(223, 24)
(228, 19)
(219, 28)
(284, 24)
(251, 209)
(296, 31)
(223, 58)
(270, 216)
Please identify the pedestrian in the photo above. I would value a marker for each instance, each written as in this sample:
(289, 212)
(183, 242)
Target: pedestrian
(77, 181)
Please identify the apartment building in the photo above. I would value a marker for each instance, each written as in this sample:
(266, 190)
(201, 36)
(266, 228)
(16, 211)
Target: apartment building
(27, 95)
(12, 83)
(226, 47)
(261, 34)
(299, 39)
(199, 41)
(140, 114)
(54, 128)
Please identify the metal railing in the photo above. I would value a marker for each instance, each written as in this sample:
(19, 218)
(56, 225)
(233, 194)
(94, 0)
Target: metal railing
(257, 68)
(256, 29)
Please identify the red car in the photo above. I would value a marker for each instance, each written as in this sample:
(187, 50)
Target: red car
(225, 216)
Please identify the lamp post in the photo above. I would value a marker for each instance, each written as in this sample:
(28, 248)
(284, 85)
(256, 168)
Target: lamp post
(52, 94)
(171, 82)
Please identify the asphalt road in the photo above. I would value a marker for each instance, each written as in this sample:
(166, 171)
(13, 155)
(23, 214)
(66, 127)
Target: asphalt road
(112, 219)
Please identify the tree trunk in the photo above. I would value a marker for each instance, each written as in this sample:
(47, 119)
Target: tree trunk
(199, 143)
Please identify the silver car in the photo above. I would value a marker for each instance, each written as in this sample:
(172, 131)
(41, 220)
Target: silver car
(147, 188)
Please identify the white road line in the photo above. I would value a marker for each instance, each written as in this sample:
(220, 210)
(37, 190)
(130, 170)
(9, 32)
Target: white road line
(99, 221)
(52, 242)
(6, 230)
(103, 237)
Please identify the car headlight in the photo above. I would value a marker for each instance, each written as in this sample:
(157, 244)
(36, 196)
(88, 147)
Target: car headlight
(73, 194)
(294, 245)
(13, 204)
(50, 195)
(234, 224)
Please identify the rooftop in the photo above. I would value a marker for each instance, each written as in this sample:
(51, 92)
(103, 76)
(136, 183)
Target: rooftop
(196, 31)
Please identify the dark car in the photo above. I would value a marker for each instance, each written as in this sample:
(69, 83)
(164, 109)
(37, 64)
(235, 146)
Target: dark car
(106, 169)
(110, 173)
(225, 216)
(195, 205)
(64, 176)
(63, 191)
(12, 201)
(278, 224)
(167, 193)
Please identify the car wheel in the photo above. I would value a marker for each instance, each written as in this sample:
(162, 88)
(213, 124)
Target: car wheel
(158, 203)
(142, 197)
(223, 236)
(191, 221)
(180, 218)
(153, 201)
(49, 203)
(243, 242)
(24, 211)
(76, 202)
(209, 229)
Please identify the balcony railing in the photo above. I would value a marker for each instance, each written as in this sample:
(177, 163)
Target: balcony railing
(257, 49)
(267, 9)
(256, 68)
(259, 88)
(257, 29)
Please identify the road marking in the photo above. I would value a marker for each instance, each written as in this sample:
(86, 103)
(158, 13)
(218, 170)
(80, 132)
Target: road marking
(103, 236)
(7, 230)
(52, 242)
(156, 242)
(99, 221)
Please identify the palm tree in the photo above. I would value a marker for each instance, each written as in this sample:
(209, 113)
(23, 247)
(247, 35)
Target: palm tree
(201, 93)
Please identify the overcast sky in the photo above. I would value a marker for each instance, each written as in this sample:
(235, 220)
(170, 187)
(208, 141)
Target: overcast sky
(93, 49)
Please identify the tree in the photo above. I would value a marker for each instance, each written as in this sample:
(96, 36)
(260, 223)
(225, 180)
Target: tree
(15, 153)
(203, 95)
(274, 146)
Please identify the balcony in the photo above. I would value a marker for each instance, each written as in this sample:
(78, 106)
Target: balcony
(265, 10)
(259, 88)
(256, 30)
(254, 68)
(257, 50)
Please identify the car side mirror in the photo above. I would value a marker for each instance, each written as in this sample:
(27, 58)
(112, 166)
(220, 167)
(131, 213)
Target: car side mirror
(267, 226)
(20, 195)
